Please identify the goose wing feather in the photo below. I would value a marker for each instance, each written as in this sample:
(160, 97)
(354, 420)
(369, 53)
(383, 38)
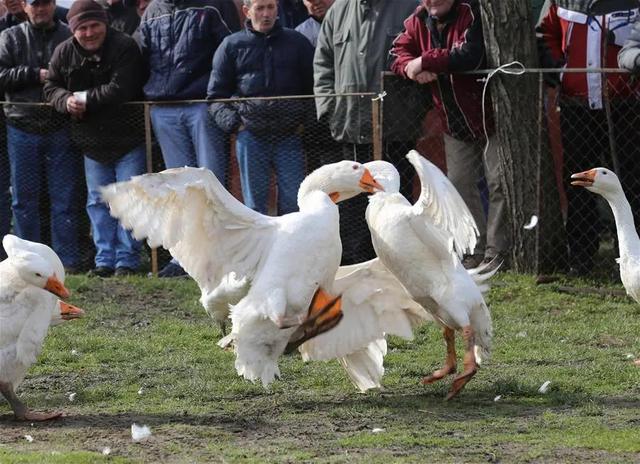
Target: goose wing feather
(374, 304)
(441, 204)
(190, 213)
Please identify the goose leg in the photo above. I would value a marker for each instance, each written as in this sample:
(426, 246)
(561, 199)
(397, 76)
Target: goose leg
(450, 361)
(470, 365)
(20, 410)
(324, 314)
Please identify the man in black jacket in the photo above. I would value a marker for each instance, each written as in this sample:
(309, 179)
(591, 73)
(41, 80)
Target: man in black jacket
(91, 74)
(38, 138)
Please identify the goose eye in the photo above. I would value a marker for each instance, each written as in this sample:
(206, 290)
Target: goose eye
(604, 173)
(355, 167)
(38, 274)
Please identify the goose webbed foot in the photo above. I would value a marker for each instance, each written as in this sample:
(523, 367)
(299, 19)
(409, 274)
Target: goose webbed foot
(470, 364)
(325, 312)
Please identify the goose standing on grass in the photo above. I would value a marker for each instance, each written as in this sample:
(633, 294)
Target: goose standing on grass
(421, 245)
(605, 182)
(31, 280)
(283, 267)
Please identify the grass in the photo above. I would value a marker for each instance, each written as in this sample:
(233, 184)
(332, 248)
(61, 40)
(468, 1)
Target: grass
(152, 335)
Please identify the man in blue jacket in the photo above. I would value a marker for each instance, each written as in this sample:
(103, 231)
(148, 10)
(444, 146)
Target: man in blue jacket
(178, 39)
(264, 60)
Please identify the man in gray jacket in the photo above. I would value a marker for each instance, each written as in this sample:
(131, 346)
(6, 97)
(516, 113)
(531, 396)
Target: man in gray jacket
(352, 51)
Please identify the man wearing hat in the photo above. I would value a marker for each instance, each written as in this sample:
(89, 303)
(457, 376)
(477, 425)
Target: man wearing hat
(38, 137)
(91, 75)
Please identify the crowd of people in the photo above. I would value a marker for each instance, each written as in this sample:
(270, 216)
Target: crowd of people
(87, 62)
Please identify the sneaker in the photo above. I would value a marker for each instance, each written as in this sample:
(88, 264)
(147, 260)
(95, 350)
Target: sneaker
(100, 271)
(124, 271)
(172, 270)
(472, 261)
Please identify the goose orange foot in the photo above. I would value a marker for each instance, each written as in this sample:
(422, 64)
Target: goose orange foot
(325, 312)
(450, 363)
(470, 364)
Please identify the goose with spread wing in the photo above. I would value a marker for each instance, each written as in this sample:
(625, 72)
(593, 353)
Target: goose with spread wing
(31, 280)
(281, 268)
(605, 182)
(421, 245)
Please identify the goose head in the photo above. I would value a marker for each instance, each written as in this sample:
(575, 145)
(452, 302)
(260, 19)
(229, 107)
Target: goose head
(386, 174)
(341, 181)
(598, 180)
(34, 270)
(61, 312)
(36, 264)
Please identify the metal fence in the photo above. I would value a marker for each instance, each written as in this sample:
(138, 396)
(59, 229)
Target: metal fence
(401, 117)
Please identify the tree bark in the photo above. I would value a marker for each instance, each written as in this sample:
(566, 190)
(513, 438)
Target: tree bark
(527, 173)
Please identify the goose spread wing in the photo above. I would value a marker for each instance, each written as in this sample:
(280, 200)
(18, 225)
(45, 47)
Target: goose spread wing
(441, 204)
(190, 213)
(374, 304)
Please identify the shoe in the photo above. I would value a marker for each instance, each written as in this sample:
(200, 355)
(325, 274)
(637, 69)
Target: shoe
(124, 271)
(100, 271)
(172, 270)
(472, 261)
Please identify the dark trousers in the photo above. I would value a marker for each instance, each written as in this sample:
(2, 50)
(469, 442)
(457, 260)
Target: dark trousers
(354, 232)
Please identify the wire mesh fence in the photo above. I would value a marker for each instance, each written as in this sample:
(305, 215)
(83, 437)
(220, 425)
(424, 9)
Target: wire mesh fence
(44, 156)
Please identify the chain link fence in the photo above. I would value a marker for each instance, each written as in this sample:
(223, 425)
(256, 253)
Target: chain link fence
(41, 155)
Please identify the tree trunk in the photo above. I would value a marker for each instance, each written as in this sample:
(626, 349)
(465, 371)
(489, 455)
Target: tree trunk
(527, 172)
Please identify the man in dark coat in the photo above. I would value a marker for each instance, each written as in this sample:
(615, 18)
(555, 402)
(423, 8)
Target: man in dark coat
(264, 60)
(38, 138)
(91, 74)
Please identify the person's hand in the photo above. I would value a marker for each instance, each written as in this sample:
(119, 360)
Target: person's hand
(413, 68)
(44, 73)
(425, 77)
(74, 107)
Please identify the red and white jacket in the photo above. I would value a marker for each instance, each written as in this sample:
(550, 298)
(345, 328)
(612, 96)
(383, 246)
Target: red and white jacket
(576, 39)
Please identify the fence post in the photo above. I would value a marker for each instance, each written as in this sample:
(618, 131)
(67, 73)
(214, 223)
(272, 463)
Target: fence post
(377, 129)
(149, 151)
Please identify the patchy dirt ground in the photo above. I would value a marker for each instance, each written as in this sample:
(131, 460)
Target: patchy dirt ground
(209, 415)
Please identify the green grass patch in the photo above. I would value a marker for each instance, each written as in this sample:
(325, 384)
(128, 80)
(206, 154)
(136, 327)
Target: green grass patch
(146, 353)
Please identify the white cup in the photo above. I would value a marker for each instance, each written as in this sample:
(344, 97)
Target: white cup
(81, 96)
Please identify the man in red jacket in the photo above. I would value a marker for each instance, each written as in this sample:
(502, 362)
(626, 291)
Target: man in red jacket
(441, 38)
(589, 34)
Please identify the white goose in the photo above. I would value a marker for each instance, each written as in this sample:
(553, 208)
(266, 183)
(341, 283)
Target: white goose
(421, 245)
(31, 279)
(276, 265)
(604, 182)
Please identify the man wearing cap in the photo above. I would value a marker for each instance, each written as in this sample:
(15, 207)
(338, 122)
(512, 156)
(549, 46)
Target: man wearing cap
(91, 74)
(38, 137)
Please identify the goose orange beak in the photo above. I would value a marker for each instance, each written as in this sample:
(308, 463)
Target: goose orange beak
(584, 179)
(56, 287)
(68, 311)
(368, 183)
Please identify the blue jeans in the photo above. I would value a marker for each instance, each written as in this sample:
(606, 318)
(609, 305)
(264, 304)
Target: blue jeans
(46, 161)
(257, 156)
(115, 247)
(188, 137)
